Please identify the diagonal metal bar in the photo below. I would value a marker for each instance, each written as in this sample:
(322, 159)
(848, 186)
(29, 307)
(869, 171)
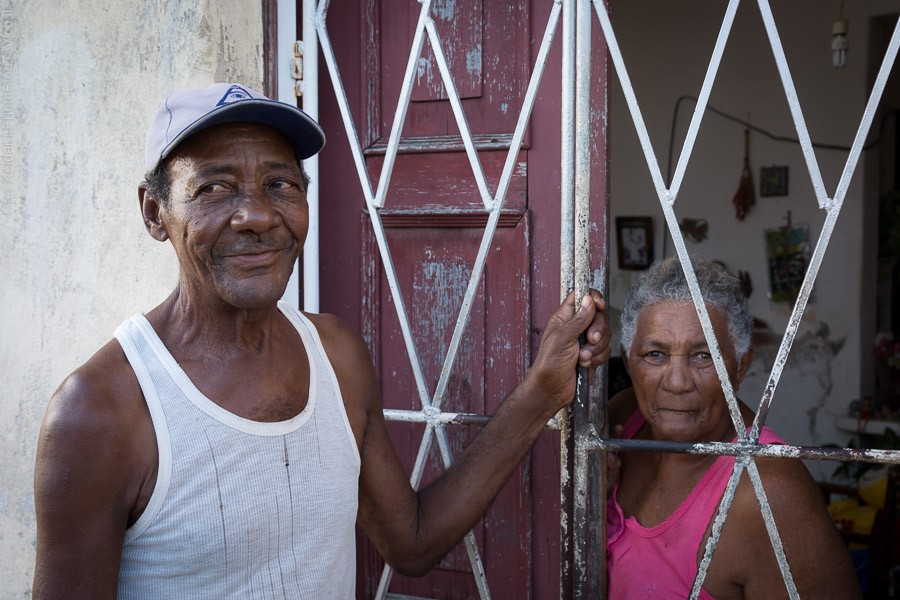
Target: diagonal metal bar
(390, 270)
(703, 99)
(774, 536)
(366, 186)
(458, 112)
(833, 210)
(718, 523)
(471, 543)
(667, 199)
(793, 103)
(393, 145)
(631, 100)
(497, 205)
(376, 200)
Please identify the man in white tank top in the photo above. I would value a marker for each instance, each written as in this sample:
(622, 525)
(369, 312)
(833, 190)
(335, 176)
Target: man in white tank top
(224, 445)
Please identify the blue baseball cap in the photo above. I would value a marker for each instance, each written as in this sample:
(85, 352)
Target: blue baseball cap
(186, 112)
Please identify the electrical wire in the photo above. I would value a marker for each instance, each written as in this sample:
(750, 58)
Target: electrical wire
(760, 130)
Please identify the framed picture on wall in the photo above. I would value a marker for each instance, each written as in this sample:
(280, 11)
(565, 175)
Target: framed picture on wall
(773, 181)
(634, 240)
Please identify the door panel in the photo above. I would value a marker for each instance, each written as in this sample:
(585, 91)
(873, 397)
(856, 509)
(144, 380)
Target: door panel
(434, 254)
(434, 218)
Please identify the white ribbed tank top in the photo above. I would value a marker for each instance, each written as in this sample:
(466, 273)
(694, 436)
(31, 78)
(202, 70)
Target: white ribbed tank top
(241, 508)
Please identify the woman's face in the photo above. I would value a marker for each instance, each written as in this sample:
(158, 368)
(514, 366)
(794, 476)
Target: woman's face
(675, 380)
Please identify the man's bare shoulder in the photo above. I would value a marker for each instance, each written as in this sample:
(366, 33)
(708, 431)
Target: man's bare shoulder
(352, 363)
(337, 335)
(103, 388)
(99, 405)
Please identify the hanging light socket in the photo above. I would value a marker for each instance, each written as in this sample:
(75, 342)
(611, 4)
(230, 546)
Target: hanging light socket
(839, 44)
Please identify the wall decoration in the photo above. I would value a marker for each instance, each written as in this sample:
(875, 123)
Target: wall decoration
(787, 251)
(694, 229)
(744, 197)
(634, 242)
(773, 181)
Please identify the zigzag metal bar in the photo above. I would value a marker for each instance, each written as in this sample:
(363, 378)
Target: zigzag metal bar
(378, 228)
(667, 199)
(703, 99)
(461, 121)
(402, 105)
(718, 523)
(833, 211)
(774, 536)
(630, 98)
(344, 107)
(497, 204)
(794, 103)
(365, 184)
(471, 543)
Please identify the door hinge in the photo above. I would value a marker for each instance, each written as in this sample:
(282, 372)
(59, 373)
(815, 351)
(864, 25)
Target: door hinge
(297, 70)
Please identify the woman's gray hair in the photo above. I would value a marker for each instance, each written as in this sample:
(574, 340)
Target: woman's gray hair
(664, 281)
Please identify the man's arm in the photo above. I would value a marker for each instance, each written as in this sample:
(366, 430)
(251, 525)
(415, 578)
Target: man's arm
(413, 530)
(87, 480)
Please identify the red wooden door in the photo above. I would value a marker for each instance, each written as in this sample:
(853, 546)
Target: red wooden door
(433, 218)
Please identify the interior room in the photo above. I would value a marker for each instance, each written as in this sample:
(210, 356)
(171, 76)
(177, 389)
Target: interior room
(748, 199)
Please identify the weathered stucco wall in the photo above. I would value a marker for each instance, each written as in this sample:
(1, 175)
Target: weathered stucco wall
(79, 81)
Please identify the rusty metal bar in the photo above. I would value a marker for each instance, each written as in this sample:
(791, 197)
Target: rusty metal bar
(563, 419)
(588, 505)
(869, 455)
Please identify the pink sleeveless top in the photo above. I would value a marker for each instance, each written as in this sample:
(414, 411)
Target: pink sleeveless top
(660, 563)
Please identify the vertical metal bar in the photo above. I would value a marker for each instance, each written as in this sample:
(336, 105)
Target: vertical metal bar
(286, 34)
(586, 577)
(567, 283)
(310, 89)
(567, 153)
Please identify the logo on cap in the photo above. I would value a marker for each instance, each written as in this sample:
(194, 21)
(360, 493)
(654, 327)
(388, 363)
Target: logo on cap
(234, 94)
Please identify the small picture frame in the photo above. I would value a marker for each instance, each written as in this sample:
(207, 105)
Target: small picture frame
(634, 241)
(773, 181)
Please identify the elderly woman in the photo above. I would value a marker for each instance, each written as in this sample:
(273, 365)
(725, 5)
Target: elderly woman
(660, 513)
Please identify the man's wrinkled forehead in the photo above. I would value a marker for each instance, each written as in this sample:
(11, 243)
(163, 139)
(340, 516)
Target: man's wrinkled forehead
(222, 146)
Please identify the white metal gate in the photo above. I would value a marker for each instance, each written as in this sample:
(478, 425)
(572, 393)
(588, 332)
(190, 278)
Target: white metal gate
(584, 427)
